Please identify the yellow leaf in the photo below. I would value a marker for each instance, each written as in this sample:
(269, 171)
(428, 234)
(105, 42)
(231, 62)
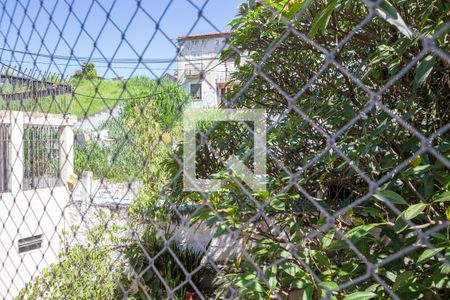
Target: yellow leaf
(292, 7)
(416, 162)
(291, 4)
(447, 213)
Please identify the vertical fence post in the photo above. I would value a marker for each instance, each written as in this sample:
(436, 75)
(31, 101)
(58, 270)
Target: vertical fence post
(66, 152)
(16, 167)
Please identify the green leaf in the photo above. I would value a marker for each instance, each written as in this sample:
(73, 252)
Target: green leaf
(391, 196)
(330, 285)
(389, 13)
(327, 239)
(428, 253)
(290, 268)
(200, 214)
(355, 234)
(401, 280)
(237, 60)
(293, 7)
(308, 293)
(321, 20)
(400, 225)
(421, 169)
(360, 295)
(263, 194)
(221, 230)
(277, 204)
(444, 197)
(423, 70)
(273, 278)
(414, 210)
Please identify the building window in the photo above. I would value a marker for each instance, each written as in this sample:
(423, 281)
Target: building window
(4, 157)
(193, 70)
(196, 91)
(30, 243)
(41, 157)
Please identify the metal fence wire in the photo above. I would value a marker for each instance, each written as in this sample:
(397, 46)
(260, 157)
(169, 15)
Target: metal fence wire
(300, 152)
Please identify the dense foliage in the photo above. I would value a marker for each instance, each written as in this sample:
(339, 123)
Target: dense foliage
(309, 177)
(286, 234)
(172, 270)
(84, 271)
(154, 119)
(112, 159)
(121, 156)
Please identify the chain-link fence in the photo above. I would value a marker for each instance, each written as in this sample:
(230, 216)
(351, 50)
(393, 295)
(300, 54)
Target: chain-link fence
(282, 149)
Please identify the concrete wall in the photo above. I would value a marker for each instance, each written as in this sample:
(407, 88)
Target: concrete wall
(94, 204)
(86, 216)
(204, 55)
(26, 213)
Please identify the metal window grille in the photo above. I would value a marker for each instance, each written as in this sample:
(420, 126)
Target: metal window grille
(41, 157)
(4, 157)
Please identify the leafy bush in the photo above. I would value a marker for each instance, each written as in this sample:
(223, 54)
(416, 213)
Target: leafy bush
(112, 160)
(154, 119)
(309, 178)
(87, 71)
(151, 260)
(83, 272)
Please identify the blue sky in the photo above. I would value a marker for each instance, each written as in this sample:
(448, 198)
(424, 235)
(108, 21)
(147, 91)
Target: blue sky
(137, 24)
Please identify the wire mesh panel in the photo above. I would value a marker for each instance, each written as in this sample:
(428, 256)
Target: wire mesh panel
(41, 157)
(239, 149)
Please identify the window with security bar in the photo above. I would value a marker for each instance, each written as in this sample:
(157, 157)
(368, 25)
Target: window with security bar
(41, 157)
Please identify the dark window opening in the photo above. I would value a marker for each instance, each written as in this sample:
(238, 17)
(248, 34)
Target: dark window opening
(196, 91)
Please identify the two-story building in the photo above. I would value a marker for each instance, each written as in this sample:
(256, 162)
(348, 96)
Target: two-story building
(200, 71)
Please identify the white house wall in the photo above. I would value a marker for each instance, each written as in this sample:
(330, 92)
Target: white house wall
(207, 53)
(26, 214)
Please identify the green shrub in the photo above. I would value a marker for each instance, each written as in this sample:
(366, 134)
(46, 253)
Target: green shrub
(87, 71)
(113, 160)
(83, 271)
(310, 178)
(151, 247)
(155, 123)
